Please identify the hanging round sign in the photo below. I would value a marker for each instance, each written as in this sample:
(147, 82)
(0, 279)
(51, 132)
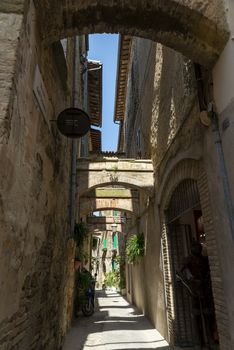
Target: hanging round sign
(73, 122)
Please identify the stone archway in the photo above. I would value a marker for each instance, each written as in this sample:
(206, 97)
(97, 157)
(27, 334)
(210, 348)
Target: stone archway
(109, 198)
(197, 31)
(97, 204)
(104, 171)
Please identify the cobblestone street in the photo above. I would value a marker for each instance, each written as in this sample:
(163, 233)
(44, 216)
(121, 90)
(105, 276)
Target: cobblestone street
(115, 325)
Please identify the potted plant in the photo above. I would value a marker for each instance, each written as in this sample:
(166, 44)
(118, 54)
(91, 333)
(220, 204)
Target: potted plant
(135, 247)
(78, 259)
(80, 234)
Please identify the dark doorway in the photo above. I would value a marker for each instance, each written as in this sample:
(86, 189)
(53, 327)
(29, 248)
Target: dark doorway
(194, 321)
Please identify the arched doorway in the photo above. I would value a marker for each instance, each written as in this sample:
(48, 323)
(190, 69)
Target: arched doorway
(192, 315)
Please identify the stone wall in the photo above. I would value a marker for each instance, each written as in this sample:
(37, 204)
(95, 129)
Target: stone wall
(34, 186)
(153, 298)
(138, 110)
(10, 25)
(169, 104)
(164, 87)
(161, 98)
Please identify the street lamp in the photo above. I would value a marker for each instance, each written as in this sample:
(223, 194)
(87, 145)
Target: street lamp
(114, 228)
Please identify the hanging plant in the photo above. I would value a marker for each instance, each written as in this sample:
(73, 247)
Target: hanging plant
(135, 247)
(80, 233)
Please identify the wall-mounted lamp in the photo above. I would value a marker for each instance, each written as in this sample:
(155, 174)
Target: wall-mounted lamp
(114, 228)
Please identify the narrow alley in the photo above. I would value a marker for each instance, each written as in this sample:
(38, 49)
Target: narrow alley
(115, 325)
(116, 173)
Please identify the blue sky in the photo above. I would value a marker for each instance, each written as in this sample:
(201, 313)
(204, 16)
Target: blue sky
(104, 48)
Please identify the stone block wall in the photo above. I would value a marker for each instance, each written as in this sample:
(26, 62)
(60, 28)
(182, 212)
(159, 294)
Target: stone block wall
(10, 25)
(35, 263)
(161, 93)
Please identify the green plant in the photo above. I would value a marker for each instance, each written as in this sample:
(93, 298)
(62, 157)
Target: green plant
(122, 283)
(80, 233)
(135, 247)
(112, 279)
(82, 280)
(82, 283)
(120, 259)
(80, 255)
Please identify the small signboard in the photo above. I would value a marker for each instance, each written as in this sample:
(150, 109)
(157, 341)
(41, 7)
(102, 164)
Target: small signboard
(73, 122)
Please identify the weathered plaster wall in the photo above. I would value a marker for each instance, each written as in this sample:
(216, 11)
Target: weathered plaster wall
(147, 290)
(34, 177)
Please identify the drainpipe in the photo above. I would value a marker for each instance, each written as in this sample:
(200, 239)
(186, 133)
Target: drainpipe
(74, 143)
(84, 139)
(222, 167)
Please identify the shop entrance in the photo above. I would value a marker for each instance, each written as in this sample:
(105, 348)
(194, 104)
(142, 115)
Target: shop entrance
(194, 321)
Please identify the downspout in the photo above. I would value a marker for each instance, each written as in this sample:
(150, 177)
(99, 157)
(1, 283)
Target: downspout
(222, 167)
(74, 143)
(204, 96)
(84, 139)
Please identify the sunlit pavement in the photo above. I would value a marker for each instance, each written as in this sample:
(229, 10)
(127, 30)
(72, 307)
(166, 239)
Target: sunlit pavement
(115, 325)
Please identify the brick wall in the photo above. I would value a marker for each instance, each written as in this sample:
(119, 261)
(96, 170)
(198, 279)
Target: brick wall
(214, 260)
(189, 169)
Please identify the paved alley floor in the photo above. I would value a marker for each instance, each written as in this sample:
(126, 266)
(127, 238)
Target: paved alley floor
(115, 325)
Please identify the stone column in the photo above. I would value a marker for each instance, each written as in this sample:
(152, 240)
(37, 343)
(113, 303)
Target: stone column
(11, 17)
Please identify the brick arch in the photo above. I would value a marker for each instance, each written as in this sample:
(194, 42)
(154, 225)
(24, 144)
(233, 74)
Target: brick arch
(185, 169)
(193, 169)
(198, 31)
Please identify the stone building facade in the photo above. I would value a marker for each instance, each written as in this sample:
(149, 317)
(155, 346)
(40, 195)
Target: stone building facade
(36, 254)
(163, 119)
(36, 260)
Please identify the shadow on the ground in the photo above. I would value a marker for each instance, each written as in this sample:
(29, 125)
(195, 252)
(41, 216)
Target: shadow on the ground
(82, 327)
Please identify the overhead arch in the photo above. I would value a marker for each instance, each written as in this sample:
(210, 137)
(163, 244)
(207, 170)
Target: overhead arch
(194, 28)
(103, 223)
(104, 171)
(88, 205)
